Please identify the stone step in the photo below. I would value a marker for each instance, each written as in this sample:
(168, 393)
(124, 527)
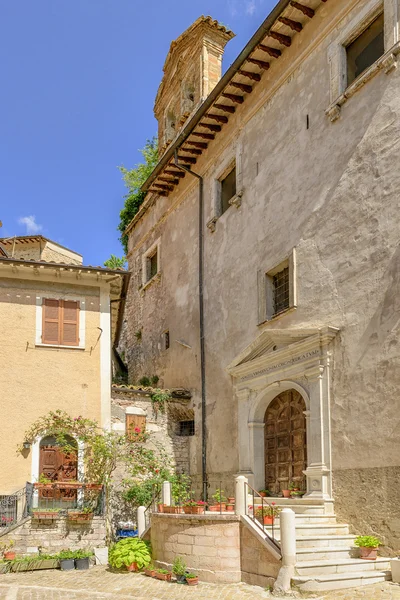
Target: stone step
(295, 505)
(315, 541)
(314, 529)
(341, 565)
(326, 553)
(337, 581)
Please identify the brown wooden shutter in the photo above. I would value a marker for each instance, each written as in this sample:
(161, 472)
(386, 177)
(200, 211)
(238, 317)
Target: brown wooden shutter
(51, 321)
(69, 323)
(133, 421)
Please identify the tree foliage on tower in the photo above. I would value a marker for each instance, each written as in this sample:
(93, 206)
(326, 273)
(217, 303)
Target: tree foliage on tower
(134, 179)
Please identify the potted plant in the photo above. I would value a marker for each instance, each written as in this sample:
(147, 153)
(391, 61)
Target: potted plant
(179, 569)
(8, 554)
(193, 508)
(230, 507)
(286, 493)
(231, 499)
(220, 500)
(150, 570)
(67, 560)
(160, 507)
(264, 493)
(44, 483)
(82, 558)
(45, 514)
(267, 513)
(131, 553)
(81, 515)
(163, 575)
(368, 545)
(192, 579)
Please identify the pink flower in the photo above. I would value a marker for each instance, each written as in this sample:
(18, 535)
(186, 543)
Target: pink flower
(273, 503)
(137, 430)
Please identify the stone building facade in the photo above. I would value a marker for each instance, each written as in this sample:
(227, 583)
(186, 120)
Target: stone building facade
(296, 149)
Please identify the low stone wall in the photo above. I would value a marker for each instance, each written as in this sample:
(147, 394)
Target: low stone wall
(368, 499)
(53, 536)
(258, 565)
(220, 549)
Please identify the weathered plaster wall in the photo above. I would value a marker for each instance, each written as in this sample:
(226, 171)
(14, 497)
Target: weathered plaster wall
(55, 536)
(368, 499)
(332, 192)
(34, 379)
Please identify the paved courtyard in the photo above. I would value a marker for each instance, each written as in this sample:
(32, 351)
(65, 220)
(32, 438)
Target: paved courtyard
(100, 584)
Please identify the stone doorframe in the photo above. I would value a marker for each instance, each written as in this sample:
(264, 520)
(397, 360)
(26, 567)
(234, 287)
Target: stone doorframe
(280, 360)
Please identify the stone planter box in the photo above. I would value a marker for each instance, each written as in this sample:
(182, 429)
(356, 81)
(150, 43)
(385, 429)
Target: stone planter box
(43, 515)
(35, 565)
(395, 566)
(80, 517)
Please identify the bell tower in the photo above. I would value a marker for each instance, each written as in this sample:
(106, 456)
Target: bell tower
(192, 69)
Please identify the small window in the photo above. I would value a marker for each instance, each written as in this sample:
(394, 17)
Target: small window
(185, 428)
(228, 189)
(166, 340)
(365, 50)
(153, 265)
(280, 283)
(60, 325)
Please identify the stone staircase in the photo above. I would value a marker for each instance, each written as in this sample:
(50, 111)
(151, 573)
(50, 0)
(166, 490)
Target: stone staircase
(326, 556)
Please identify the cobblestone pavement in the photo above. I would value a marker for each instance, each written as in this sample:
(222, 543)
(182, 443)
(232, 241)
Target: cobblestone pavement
(100, 584)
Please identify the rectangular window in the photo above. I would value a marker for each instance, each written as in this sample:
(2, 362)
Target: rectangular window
(228, 189)
(365, 49)
(166, 340)
(185, 428)
(280, 283)
(60, 325)
(153, 265)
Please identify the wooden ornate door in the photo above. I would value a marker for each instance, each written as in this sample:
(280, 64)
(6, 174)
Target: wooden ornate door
(57, 466)
(285, 441)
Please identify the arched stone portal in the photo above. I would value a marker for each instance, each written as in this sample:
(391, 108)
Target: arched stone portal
(285, 441)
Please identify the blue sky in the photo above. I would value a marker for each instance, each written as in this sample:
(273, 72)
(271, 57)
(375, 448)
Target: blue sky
(78, 80)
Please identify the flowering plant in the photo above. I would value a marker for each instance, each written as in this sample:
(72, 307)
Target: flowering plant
(268, 511)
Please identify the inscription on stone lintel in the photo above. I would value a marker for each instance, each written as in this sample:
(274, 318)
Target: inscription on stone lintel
(281, 365)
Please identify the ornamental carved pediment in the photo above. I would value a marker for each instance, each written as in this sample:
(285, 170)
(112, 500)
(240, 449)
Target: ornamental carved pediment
(279, 349)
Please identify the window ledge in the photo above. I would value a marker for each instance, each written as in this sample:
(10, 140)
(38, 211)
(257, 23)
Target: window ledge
(386, 63)
(60, 347)
(156, 277)
(278, 316)
(234, 201)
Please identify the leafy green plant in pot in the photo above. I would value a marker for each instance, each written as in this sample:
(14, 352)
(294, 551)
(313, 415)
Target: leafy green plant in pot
(368, 545)
(82, 559)
(163, 575)
(220, 499)
(131, 553)
(179, 569)
(6, 550)
(192, 579)
(67, 560)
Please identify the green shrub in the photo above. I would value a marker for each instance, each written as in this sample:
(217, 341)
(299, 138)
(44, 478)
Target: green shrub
(367, 541)
(128, 551)
(179, 567)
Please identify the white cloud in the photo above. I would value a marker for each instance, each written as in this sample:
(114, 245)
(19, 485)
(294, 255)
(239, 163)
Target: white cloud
(30, 223)
(232, 7)
(250, 7)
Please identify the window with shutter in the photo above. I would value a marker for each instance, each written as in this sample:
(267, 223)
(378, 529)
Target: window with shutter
(60, 322)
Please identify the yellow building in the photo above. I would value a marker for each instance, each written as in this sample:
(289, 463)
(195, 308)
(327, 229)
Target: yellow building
(59, 321)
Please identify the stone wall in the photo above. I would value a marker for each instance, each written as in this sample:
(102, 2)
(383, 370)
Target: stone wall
(162, 426)
(210, 546)
(53, 536)
(258, 565)
(218, 548)
(368, 499)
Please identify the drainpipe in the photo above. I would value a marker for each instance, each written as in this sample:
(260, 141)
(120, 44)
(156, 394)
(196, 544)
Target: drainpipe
(201, 312)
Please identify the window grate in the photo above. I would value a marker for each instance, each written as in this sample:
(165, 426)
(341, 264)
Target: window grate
(185, 428)
(281, 291)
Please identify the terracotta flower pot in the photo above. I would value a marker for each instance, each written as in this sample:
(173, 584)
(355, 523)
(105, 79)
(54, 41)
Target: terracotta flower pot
(368, 553)
(132, 567)
(93, 486)
(262, 494)
(214, 508)
(150, 572)
(46, 516)
(9, 555)
(160, 508)
(187, 510)
(286, 493)
(192, 581)
(197, 510)
(230, 507)
(163, 576)
(231, 500)
(269, 520)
